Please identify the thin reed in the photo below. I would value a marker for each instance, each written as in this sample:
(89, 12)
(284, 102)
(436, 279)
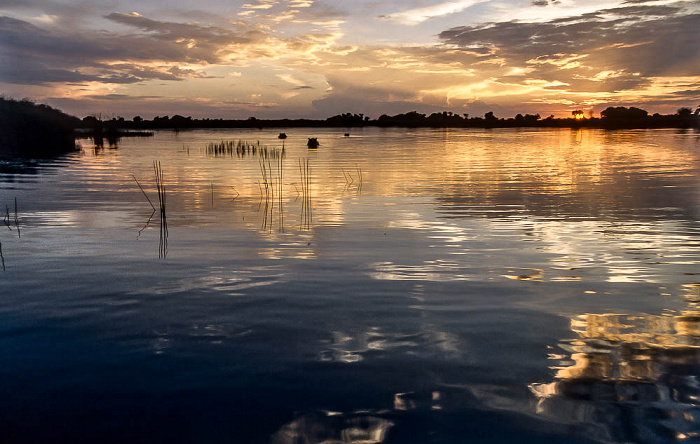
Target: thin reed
(280, 193)
(6, 219)
(350, 181)
(306, 211)
(271, 190)
(144, 192)
(160, 186)
(19, 233)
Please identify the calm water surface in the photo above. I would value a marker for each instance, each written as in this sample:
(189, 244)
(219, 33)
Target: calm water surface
(394, 286)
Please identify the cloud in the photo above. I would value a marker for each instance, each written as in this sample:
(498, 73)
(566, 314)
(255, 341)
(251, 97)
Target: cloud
(298, 84)
(293, 12)
(162, 50)
(419, 15)
(292, 51)
(632, 54)
(636, 42)
(545, 2)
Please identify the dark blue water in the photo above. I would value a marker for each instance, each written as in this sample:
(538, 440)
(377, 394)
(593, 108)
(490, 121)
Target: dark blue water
(411, 286)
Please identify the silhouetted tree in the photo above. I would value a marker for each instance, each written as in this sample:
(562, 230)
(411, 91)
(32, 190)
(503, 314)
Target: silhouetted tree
(531, 118)
(620, 112)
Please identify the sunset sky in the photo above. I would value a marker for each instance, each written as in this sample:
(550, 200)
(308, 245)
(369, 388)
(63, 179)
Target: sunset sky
(317, 58)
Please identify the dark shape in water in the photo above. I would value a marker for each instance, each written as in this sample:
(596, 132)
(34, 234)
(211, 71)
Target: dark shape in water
(312, 143)
(282, 136)
(347, 134)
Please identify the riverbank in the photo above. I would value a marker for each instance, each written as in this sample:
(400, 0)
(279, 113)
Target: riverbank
(34, 130)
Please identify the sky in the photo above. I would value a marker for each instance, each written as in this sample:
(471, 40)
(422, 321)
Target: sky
(318, 58)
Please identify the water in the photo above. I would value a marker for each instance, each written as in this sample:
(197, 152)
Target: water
(421, 286)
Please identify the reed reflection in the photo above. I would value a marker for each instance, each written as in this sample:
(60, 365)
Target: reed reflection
(634, 376)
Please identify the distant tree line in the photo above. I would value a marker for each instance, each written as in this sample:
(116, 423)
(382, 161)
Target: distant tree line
(611, 117)
(35, 130)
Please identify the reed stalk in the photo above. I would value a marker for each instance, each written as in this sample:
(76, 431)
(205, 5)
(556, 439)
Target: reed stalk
(306, 211)
(280, 193)
(144, 193)
(19, 234)
(6, 219)
(160, 186)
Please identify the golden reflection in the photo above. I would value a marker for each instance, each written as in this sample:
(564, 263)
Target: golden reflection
(587, 195)
(334, 428)
(434, 271)
(621, 363)
(413, 401)
(477, 168)
(535, 275)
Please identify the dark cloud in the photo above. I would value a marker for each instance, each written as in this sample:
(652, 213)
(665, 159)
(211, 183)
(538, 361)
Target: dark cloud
(119, 97)
(647, 40)
(30, 54)
(206, 36)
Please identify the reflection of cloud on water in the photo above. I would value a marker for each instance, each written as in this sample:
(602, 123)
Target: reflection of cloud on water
(635, 376)
(334, 428)
(349, 348)
(611, 251)
(434, 271)
(165, 340)
(223, 280)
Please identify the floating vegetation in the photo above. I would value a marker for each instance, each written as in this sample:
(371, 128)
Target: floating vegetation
(241, 148)
(160, 186)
